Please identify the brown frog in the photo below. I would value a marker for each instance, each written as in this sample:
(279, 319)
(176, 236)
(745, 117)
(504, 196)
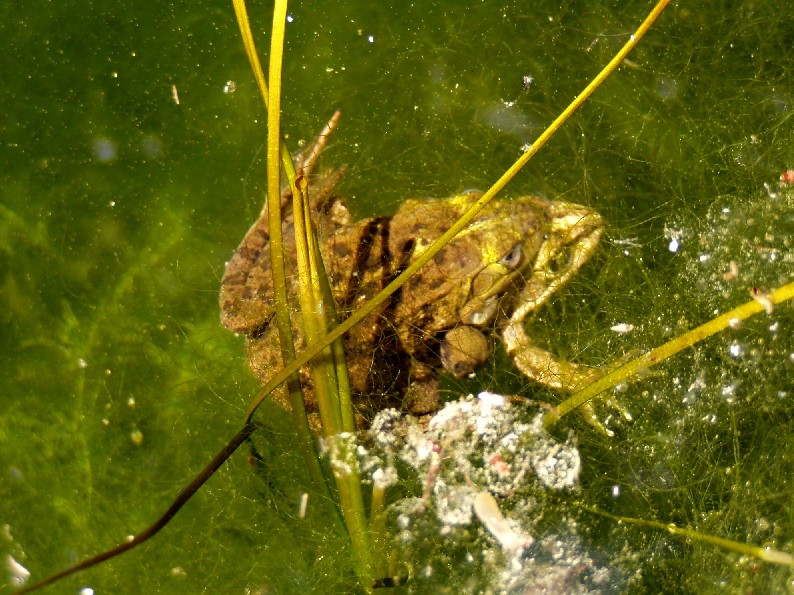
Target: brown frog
(505, 264)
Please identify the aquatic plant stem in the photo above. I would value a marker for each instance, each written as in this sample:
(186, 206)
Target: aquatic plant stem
(315, 348)
(281, 304)
(665, 351)
(765, 554)
(273, 204)
(312, 308)
(348, 484)
(329, 374)
(379, 535)
(185, 495)
(256, 66)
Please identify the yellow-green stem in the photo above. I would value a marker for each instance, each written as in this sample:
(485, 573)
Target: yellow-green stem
(326, 374)
(349, 485)
(312, 313)
(765, 554)
(663, 352)
(281, 303)
(253, 58)
(277, 147)
(378, 534)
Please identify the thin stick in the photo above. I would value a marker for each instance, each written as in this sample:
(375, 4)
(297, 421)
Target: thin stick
(155, 527)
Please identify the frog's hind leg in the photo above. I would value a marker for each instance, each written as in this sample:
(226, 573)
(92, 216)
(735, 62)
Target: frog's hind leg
(544, 367)
(321, 187)
(307, 159)
(553, 372)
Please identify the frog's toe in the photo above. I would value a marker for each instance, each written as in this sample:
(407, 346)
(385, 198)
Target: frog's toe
(613, 406)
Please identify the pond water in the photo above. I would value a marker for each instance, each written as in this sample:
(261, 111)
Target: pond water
(132, 164)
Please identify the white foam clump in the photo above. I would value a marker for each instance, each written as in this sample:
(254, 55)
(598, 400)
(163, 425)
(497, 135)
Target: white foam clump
(479, 463)
(472, 445)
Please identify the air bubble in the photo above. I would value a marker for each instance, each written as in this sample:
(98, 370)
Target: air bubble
(137, 437)
(104, 150)
(729, 391)
(736, 350)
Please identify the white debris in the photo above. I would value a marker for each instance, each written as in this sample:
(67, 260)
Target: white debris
(19, 574)
(511, 540)
(622, 328)
(480, 464)
(303, 504)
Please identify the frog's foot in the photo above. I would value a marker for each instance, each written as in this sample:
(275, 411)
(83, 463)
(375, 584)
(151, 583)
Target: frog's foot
(322, 186)
(587, 411)
(463, 350)
(557, 374)
(306, 160)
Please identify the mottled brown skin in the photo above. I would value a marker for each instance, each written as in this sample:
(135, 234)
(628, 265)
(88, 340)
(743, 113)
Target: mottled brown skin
(502, 266)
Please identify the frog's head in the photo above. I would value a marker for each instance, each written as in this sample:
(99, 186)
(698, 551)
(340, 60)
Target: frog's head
(513, 254)
(528, 247)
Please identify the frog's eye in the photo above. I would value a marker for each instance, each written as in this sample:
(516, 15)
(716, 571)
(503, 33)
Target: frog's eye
(512, 259)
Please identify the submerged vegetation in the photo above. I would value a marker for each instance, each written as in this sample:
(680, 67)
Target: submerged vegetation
(123, 380)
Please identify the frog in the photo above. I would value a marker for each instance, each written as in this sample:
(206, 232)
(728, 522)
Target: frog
(503, 266)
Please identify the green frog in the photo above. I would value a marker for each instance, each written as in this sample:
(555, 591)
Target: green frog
(503, 266)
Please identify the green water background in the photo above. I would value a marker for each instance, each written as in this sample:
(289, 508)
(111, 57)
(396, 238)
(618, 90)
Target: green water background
(119, 206)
